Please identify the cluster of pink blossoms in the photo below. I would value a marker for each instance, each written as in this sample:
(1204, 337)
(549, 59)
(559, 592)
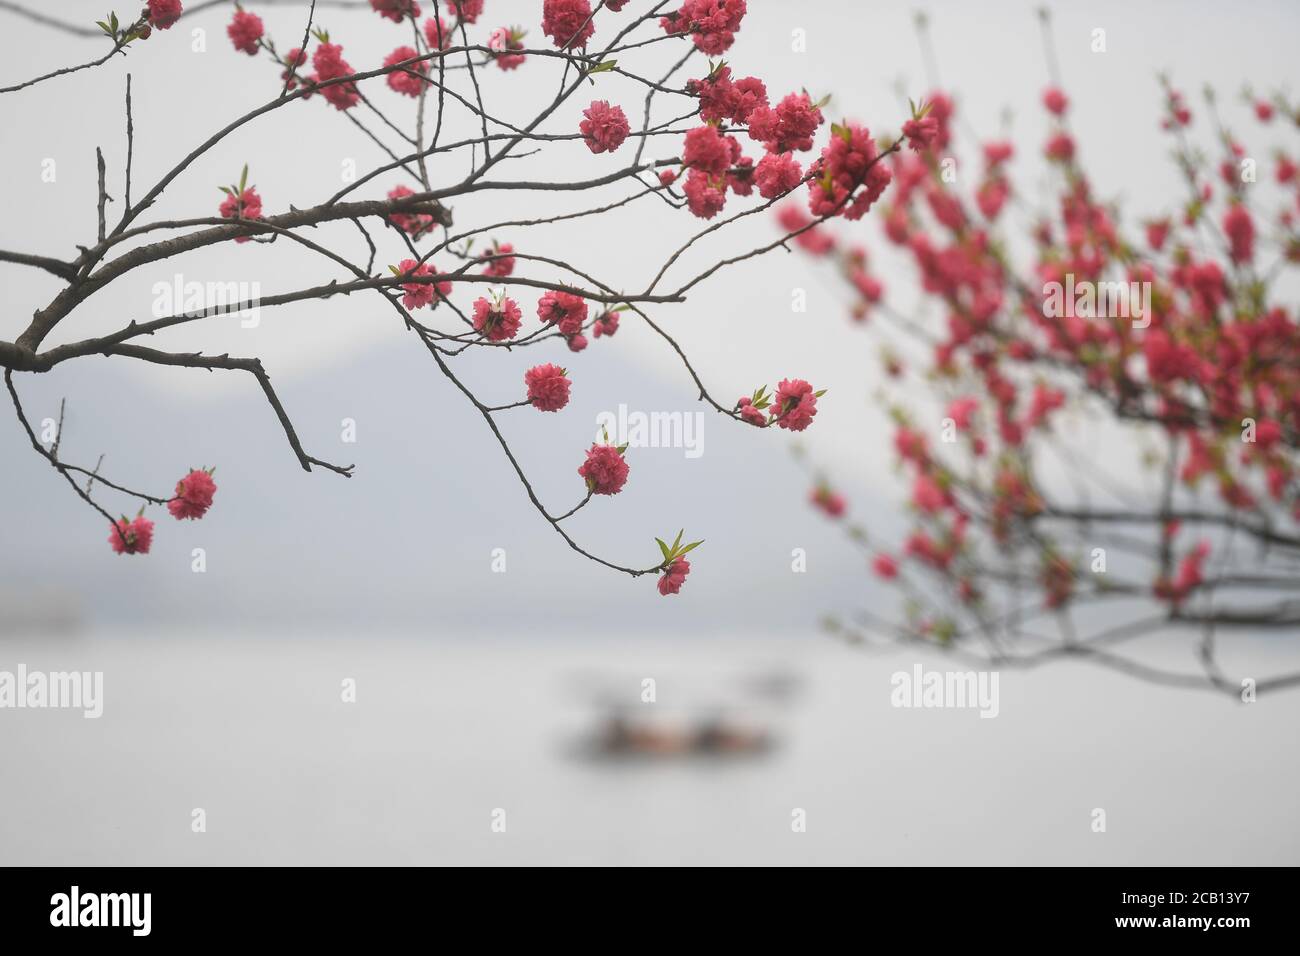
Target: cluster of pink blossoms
(850, 161)
(568, 313)
(674, 577)
(192, 500)
(793, 407)
(410, 80)
(437, 33)
(503, 41)
(711, 24)
(330, 65)
(567, 22)
(548, 387)
(716, 165)
(497, 321)
(163, 14)
(414, 225)
(245, 30)
(605, 470)
(396, 10)
(241, 202)
(419, 294)
(499, 262)
(605, 127)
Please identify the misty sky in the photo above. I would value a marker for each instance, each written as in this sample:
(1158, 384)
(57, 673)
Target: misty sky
(438, 494)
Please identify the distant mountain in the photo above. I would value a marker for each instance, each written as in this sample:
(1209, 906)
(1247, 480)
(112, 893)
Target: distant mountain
(408, 542)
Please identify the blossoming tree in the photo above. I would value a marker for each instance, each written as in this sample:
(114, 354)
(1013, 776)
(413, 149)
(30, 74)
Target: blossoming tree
(1176, 343)
(457, 287)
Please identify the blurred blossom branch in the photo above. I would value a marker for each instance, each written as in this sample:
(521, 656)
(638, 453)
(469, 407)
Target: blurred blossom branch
(1178, 349)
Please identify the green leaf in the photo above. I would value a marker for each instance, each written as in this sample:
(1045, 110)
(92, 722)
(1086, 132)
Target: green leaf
(243, 178)
(622, 448)
(679, 540)
(664, 548)
(226, 190)
(603, 67)
(820, 393)
(690, 547)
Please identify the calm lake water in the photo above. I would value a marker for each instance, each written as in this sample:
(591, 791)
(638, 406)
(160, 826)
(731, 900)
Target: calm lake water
(253, 730)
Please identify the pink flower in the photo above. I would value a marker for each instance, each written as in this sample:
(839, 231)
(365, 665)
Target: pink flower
(410, 79)
(667, 177)
(777, 173)
(437, 33)
(567, 22)
(577, 342)
(721, 99)
(548, 388)
(289, 76)
(467, 10)
(413, 224)
(1240, 230)
(997, 152)
(741, 176)
(921, 133)
(712, 24)
(497, 321)
(795, 404)
(1055, 101)
(814, 240)
(961, 410)
(246, 205)
(991, 196)
(831, 502)
(745, 406)
(927, 495)
(330, 65)
(501, 42)
(674, 577)
(395, 10)
(563, 309)
(885, 566)
(1060, 147)
(708, 150)
(788, 126)
(1264, 110)
(138, 533)
(499, 261)
(606, 324)
(605, 127)
(163, 14)
(604, 470)
(419, 294)
(193, 495)
(705, 194)
(245, 30)
(849, 162)
(1157, 233)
